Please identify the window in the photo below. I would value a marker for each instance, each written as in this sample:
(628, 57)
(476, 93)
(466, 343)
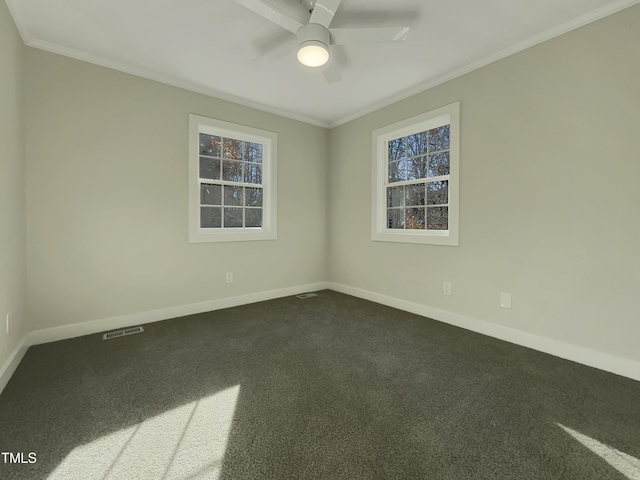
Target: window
(415, 179)
(232, 182)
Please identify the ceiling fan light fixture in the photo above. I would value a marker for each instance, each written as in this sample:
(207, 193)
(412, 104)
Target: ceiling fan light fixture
(313, 53)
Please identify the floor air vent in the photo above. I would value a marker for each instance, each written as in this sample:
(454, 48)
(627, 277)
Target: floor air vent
(122, 333)
(307, 295)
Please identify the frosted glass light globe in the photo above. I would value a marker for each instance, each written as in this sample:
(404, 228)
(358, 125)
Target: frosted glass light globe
(313, 54)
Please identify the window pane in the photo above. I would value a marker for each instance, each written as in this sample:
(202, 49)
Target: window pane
(437, 218)
(232, 217)
(253, 217)
(252, 152)
(395, 218)
(232, 148)
(414, 218)
(209, 145)
(439, 138)
(439, 164)
(417, 168)
(397, 171)
(253, 197)
(417, 144)
(232, 195)
(438, 193)
(210, 168)
(210, 217)
(210, 194)
(395, 196)
(232, 171)
(397, 149)
(253, 173)
(414, 195)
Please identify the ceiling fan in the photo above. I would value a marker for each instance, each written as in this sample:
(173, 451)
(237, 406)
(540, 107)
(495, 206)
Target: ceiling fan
(309, 20)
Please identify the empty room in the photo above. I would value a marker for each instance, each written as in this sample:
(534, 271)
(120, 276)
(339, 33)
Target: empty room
(319, 239)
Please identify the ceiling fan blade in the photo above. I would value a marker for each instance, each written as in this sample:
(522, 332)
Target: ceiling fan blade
(344, 36)
(331, 73)
(323, 12)
(278, 12)
(273, 54)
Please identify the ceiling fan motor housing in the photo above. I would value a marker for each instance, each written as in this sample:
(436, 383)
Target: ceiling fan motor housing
(313, 32)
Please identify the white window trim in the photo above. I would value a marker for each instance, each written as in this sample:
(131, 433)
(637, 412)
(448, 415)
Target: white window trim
(269, 140)
(379, 229)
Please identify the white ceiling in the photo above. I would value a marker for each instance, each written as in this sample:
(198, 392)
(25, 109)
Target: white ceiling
(203, 45)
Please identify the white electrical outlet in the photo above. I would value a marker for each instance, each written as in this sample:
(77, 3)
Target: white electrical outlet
(446, 288)
(505, 300)
(229, 277)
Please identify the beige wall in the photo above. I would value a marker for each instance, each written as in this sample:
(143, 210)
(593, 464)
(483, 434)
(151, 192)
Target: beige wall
(107, 198)
(12, 186)
(550, 194)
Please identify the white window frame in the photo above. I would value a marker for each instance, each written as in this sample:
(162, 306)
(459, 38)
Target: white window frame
(269, 141)
(449, 114)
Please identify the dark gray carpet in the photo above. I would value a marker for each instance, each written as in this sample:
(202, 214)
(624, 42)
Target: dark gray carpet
(331, 387)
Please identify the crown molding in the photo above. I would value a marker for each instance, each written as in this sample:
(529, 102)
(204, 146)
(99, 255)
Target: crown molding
(561, 29)
(482, 62)
(170, 81)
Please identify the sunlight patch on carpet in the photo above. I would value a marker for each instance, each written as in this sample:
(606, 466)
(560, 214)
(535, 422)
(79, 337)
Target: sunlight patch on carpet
(186, 442)
(626, 464)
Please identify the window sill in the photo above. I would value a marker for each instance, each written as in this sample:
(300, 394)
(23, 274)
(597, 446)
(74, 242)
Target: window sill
(403, 236)
(229, 235)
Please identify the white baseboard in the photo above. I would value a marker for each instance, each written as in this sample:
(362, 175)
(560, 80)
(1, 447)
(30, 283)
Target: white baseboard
(64, 332)
(585, 356)
(113, 323)
(12, 362)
